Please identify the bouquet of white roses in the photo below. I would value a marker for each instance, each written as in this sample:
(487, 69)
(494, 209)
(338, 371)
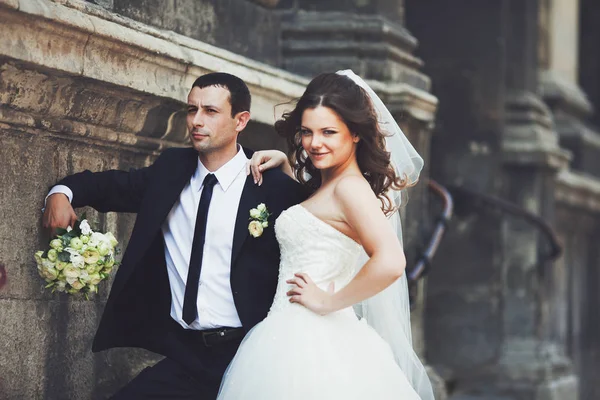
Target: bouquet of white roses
(78, 259)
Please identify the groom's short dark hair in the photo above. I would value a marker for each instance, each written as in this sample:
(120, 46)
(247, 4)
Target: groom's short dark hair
(239, 94)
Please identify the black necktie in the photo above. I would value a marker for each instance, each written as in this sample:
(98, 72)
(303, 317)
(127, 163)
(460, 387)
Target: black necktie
(190, 298)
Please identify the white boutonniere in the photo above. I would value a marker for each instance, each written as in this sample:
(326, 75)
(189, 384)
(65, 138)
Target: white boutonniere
(258, 220)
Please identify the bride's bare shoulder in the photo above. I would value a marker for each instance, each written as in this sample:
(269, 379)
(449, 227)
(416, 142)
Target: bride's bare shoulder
(354, 190)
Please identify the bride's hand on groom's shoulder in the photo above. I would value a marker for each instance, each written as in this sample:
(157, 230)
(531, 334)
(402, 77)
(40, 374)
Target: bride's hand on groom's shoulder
(267, 159)
(58, 213)
(308, 294)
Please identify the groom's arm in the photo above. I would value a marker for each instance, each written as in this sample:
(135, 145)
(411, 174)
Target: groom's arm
(113, 190)
(105, 191)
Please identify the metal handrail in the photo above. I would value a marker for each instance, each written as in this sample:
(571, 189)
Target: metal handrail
(515, 210)
(424, 261)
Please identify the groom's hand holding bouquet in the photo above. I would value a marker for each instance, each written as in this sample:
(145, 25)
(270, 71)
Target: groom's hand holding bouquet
(78, 258)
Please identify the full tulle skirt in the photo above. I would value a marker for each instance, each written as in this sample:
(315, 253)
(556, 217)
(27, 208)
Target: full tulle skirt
(297, 354)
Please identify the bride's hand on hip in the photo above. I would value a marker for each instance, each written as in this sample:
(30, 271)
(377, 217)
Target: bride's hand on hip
(308, 294)
(264, 160)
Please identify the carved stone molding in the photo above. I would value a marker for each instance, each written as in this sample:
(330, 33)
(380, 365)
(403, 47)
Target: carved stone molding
(267, 3)
(371, 45)
(87, 110)
(578, 191)
(571, 111)
(403, 99)
(561, 93)
(529, 137)
(77, 38)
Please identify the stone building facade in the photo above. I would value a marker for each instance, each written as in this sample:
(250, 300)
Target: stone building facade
(498, 96)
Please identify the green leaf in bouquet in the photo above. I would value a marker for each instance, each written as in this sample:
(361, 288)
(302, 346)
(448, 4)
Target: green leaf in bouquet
(64, 256)
(51, 284)
(66, 239)
(60, 231)
(76, 229)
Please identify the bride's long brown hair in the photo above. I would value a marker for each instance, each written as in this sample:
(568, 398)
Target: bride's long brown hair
(353, 105)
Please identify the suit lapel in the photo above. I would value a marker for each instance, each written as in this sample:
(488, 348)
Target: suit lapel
(251, 197)
(158, 203)
(170, 190)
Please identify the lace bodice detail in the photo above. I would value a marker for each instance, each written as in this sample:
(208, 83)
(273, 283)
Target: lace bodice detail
(310, 245)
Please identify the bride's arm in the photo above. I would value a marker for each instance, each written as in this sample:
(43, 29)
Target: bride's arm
(361, 210)
(268, 159)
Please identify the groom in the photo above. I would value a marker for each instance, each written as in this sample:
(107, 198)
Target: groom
(192, 281)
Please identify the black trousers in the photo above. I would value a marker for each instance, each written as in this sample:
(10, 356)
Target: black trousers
(191, 370)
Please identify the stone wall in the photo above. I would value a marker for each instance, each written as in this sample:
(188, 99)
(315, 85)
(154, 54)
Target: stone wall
(502, 321)
(82, 88)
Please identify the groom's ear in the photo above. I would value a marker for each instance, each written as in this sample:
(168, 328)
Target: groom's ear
(241, 119)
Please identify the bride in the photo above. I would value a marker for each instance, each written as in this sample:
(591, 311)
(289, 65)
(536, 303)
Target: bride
(346, 148)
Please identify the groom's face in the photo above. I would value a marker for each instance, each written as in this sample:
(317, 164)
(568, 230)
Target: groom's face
(211, 127)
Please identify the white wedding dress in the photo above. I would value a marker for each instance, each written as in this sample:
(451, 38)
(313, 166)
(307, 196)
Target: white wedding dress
(297, 354)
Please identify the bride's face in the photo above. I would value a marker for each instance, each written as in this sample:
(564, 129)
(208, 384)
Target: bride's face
(326, 138)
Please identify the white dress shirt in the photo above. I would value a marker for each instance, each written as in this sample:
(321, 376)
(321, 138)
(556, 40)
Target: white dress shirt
(215, 298)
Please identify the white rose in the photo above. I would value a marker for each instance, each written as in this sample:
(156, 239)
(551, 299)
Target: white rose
(85, 227)
(91, 256)
(49, 274)
(255, 213)
(72, 280)
(76, 243)
(111, 238)
(71, 271)
(77, 285)
(38, 257)
(60, 265)
(77, 260)
(104, 248)
(84, 239)
(56, 244)
(96, 238)
(95, 279)
(90, 269)
(261, 207)
(255, 228)
(47, 263)
(61, 286)
(52, 255)
(265, 224)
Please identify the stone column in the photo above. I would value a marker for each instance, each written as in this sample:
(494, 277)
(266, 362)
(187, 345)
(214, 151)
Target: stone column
(588, 55)
(486, 302)
(463, 305)
(530, 364)
(566, 80)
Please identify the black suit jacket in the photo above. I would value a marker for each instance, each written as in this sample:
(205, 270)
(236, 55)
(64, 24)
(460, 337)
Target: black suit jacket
(137, 313)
